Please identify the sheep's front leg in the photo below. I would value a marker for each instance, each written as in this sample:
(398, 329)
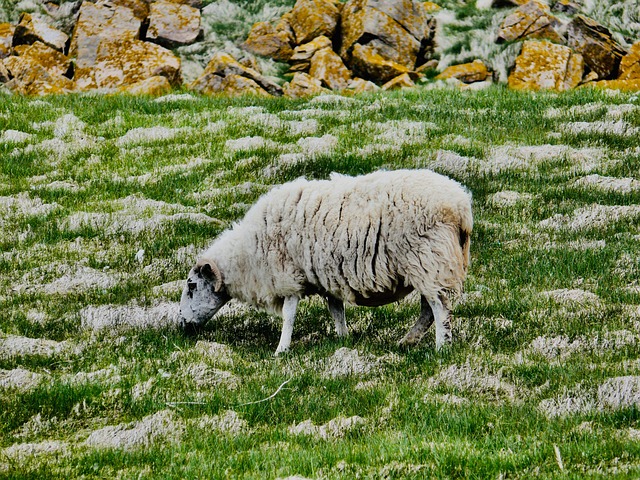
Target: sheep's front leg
(442, 314)
(288, 317)
(336, 309)
(421, 326)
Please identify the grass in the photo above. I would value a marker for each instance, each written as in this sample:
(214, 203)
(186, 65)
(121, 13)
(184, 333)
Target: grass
(86, 192)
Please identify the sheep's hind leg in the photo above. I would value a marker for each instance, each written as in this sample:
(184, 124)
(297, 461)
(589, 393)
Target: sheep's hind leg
(288, 317)
(336, 309)
(442, 314)
(415, 334)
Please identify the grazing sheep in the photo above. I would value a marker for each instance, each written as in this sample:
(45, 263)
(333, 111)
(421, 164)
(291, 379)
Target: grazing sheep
(367, 240)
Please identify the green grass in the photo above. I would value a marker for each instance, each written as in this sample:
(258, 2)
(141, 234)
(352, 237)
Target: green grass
(412, 427)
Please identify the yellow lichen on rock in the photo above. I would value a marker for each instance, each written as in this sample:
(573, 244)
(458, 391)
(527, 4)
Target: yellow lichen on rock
(630, 64)
(55, 62)
(327, 66)
(312, 18)
(475, 71)
(401, 81)
(274, 41)
(173, 24)
(367, 63)
(303, 85)
(543, 65)
(154, 86)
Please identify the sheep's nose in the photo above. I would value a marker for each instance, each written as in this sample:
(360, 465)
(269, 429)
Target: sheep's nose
(190, 328)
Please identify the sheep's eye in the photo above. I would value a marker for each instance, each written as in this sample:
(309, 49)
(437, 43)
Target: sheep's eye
(192, 286)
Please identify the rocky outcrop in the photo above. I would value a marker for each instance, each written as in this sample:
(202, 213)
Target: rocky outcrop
(401, 81)
(173, 24)
(31, 78)
(224, 74)
(367, 63)
(531, 20)
(630, 64)
(6, 39)
(543, 65)
(602, 54)
(54, 61)
(300, 60)
(154, 86)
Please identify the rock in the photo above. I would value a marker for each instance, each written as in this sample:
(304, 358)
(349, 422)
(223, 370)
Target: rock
(623, 85)
(140, 8)
(301, 57)
(32, 78)
(367, 63)
(303, 85)
(545, 65)
(327, 66)
(156, 86)
(55, 62)
(95, 23)
(173, 24)
(311, 18)
(236, 85)
(360, 85)
(6, 39)
(401, 32)
(531, 20)
(601, 52)
(30, 30)
(4, 73)
(124, 62)
(566, 6)
(401, 81)
(273, 41)
(223, 65)
(507, 3)
(475, 71)
(630, 64)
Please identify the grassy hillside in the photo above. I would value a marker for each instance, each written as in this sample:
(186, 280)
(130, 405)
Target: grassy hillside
(105, 202)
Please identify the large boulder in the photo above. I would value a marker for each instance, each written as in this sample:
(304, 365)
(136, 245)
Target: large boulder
(475, 71)
(30, 30)
(97, 22)
(6, 39)
(54, 61)
(367, 63)
(311, 18)
(124, 62)
(327, 66)
(32, 78)
(4, 73)
(273, 41)
(155, 86)
(400, 82)
(398, 31)
(173, 24)
(360, 85)
(222, 74)
(543, 65)
(531, 20)
(303, 85)
(602, 54)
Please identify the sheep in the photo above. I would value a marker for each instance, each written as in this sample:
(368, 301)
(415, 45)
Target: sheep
(368, 240)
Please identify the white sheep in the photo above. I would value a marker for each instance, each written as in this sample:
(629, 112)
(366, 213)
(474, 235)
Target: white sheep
(367, 240)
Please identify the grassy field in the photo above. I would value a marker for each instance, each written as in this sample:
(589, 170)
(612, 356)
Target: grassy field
(105, 202)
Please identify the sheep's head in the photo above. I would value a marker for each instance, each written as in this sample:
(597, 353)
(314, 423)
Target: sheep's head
(203, 295)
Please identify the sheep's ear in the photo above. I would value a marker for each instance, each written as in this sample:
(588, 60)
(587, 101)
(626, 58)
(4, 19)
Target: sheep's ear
(211, 272)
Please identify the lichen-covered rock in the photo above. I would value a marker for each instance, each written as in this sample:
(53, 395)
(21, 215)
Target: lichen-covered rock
(303, 85)
(31, 78)
(367, 63)
(155, 86)
(140, 8)
(95, 23)
(507, 3)
(54, 61)
(173, 24)
(360, 85)
(124, 62)
(311, 18)
(301, 57)
(602, 54)
(223, 65)
(327, 66)
(4, 73)
(273, 41)
(566, 6)
(399, 31)
(632, 85)
(30, 30)
(475, 71)
(547, 66)
(401, 81)
(531, 20)
(630, 64)
(6, 39)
